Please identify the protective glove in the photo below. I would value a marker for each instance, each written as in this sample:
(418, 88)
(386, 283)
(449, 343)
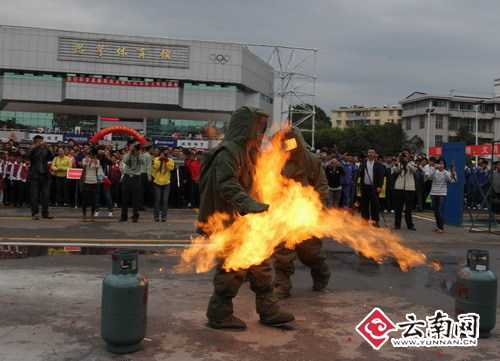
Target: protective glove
(256, 207)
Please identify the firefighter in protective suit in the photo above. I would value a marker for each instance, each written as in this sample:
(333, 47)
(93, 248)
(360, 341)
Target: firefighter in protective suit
(226, 185)
(305, 168)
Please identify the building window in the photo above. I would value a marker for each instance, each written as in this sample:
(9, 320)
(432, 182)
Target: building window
(482, 125)
(439, 123)
(438, 103)
(339, 123)
(453, 105)
(423, 104)
(184, 127)
(465, 106)
(48, 121)
(453, 124)
(377, 113)
(408, 124)
(438, 140)
(422, 121)
(377, 121)
(391, 113)
(339, 114)
(471, 124)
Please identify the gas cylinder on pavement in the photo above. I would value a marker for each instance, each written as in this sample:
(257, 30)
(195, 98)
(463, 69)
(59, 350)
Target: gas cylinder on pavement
(476, 290)
(124, 304)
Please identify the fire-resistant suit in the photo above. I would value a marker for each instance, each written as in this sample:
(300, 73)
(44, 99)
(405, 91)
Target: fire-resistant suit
(305, 168)
(226, 185)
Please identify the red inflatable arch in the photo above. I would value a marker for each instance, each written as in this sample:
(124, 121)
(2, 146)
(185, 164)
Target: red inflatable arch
(118, 129)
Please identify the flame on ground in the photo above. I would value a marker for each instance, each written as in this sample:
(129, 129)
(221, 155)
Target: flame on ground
(296, 214)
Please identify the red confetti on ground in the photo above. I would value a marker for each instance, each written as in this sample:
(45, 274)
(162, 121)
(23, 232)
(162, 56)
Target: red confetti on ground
(218, 350)
(349, 339)
(439, 354)
(51, 294)
(13, 303)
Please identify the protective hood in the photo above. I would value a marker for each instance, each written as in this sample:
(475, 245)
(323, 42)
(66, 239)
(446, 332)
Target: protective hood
(246, 123)
(298, 163)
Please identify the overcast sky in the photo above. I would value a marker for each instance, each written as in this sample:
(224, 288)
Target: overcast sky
(370, 52)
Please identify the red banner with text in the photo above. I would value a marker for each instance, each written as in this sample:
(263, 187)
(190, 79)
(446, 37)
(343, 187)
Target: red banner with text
(484, 149)
(106, 81)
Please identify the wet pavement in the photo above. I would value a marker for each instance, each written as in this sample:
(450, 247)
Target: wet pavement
(50, 305)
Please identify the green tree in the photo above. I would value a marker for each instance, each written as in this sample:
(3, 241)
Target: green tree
(386, 139)
(415, 144)
(463, 135)
(321, 119)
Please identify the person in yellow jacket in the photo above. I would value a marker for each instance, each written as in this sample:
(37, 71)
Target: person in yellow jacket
(60, 166)
(162, 166)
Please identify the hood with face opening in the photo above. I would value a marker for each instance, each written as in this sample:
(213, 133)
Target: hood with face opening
(247, 123)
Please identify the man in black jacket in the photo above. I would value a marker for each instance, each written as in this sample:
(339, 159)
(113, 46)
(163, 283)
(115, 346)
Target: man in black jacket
(39, 176)
(371, 175)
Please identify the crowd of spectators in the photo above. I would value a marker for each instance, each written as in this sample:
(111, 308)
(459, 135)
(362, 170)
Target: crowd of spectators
(63, 192)
(411, 183)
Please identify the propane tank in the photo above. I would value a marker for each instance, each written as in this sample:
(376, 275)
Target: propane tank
(124, 304)
(476, 290)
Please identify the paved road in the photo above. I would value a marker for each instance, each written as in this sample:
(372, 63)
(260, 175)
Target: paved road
(50, 305)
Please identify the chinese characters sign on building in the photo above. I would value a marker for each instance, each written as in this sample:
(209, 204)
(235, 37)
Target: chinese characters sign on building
(123, 52)
(106, 81)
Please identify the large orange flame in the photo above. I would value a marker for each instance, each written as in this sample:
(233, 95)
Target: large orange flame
(296, 214)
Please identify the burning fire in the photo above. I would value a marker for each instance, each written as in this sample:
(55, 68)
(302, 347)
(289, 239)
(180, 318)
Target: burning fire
(296, 213)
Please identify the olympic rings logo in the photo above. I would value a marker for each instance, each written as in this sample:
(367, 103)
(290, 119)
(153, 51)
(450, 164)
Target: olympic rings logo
(220, 59)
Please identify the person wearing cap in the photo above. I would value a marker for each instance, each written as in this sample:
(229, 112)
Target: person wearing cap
(38, 156)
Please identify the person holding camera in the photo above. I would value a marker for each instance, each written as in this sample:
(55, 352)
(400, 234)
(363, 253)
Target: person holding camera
(371, 180)
(131, 181)
(162, 166)
(404, 189)
(39, 176)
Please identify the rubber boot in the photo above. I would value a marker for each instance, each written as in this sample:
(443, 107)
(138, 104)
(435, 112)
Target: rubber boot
(231, 324)
(278, 318)
(269, 310)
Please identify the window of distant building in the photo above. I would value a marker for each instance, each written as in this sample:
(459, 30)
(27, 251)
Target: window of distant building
(422, 121)
(377, 121)
(439, 122)
(339, 123)
(470, 122)
(453, 124)
(391, 113)
(339, 114)
(465, 106)
(482, 125)
(408, 124)
(453, 105)
(438, 103)
(377, 113)
(438, 140)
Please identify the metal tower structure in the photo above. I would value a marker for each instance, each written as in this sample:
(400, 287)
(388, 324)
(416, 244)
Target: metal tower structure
(294, 84)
